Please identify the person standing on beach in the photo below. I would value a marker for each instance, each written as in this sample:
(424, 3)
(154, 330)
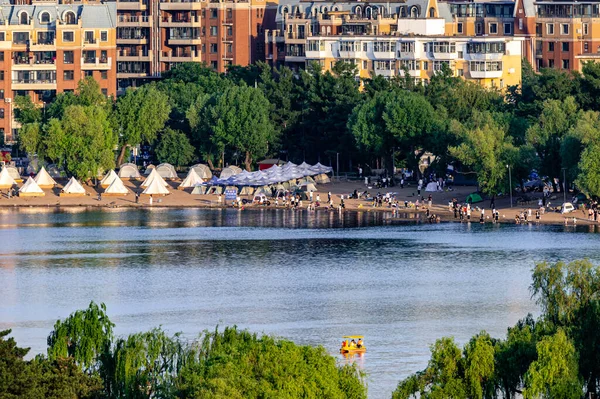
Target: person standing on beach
(137, 198)
(311, 196)
(468, 213)
(429, 200)
(329, 196)
(219, 200)
(150, 200)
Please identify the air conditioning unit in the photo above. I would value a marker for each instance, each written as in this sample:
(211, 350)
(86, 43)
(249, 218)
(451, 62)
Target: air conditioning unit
(579, 31)
(8, 100)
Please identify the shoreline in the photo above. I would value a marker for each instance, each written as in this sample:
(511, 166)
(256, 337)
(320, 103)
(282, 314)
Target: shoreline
(182, 199)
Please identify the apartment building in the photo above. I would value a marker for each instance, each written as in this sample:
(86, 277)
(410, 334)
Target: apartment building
(46, 48)
(476, 40)
(155, 35)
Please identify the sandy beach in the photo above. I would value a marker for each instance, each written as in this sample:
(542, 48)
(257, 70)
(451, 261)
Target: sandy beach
(184, 199)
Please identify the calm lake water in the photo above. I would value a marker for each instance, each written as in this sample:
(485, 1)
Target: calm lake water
(308, 277)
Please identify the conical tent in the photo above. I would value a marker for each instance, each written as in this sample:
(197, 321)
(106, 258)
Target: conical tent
(31, 189)
(44, 180)
(14, 173)
(155, 188)
(73, 189)
(203, 171)
(108, 179)
(166, 171)
(116, 188)
(154, 176)
(129, 171)
(198, 190)
(6, 180)
(191, 180)
(247, 190)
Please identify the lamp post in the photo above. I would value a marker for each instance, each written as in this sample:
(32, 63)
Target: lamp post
(337, 164)
(510, 185)
(564, 185)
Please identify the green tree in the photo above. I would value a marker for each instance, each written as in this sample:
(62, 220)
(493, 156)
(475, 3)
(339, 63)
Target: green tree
(141, 114)
(554, 374)
(84, 336)
(174, 147)
(26, 111)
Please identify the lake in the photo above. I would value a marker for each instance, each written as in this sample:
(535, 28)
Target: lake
(307, 277)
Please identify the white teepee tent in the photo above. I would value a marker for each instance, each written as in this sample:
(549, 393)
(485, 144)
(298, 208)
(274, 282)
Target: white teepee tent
(73, 189)
(108, 178)
(154, 176)
(6, 180)
(155, 188)
(116, 188)
(44, 180)
(191, 180)
(31, 189)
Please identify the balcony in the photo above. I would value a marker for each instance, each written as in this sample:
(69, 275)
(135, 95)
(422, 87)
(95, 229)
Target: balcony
(485, 56)
(180, 23)
(485, 74)
(184, 40)
(133, 74)
(96, 63)
(415, 73)
(385, 72)
(134, 56)
(384, 55)
(34, 84)
(142, 21)
(180, 5)
(132, 5)
(141, 39)
(43, 45)
(180, 57)
(315, 54)
(32, 64)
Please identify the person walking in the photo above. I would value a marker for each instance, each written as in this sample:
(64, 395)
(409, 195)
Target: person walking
(311, 196)
(329, 196)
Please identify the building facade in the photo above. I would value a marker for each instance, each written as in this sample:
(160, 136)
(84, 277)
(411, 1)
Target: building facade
(155, 35)
(476, 40)
(46, 49)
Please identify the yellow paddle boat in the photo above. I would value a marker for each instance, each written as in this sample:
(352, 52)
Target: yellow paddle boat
(353, 344)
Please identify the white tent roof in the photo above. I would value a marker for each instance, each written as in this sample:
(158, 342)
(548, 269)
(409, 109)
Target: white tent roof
(155, 188)
(129, 171)
(229, 171)
(431, 187)
(154, 176)
(166, 171)
(117, 187)
(109, 178)
(31, 186)
(14, 172)
(6, 179)
(43, 178)
(191, 180)
(73, 187)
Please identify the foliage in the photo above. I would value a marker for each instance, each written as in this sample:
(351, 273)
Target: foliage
(174, 147)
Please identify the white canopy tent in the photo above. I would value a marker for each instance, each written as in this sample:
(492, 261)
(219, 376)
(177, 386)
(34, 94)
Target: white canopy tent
(191, 180)
(229, 171)
(108, 179)
(155, 188)
(73, 189)
(202, 170)
(6, 180)
(31, 189)
(149, 169)
(44, 180)
(116, 188)
(129, 171)
(431, 187)
(154, 176)
(166, 171)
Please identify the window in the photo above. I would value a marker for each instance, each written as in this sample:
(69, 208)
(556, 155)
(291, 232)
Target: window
(1, 55)
(45, 38)
(365, 47)
(104, 75)
(411, 65)
(213, 31)
(550, 63)
(432, 12)
(2, 94)
(70, 18)
(493, 28)
(105, 92)
(213, 48)
(23, 18)
(507, 29)
(2, 37)
(68, 75)
(230, 31)
(565, 46)
(550, 29)
(459, 27)
(439, 65)
(45, 17)
(586, 47)
(214, 64)
(68, 37)
(88, 74)
(550, 46)
(1, 113)
(585, 29)
(104, 36)
(21, 38)
(565, 64)
(425, 65)
(365, 65)
(68, 57)
(564, 29)
(89, 37)
(1, 76)
(520, 23)
(460, 54)
(213, 13)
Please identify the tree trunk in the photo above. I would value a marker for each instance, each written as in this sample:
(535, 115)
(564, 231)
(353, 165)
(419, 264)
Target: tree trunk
(121, 155)
(210, 164)
(248, 161)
